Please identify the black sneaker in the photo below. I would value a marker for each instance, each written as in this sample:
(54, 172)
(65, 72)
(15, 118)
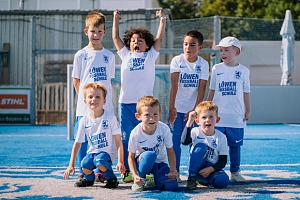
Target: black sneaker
(100, 178)
(80, 177)
(84, 183)
(112, 183)
(191, 184)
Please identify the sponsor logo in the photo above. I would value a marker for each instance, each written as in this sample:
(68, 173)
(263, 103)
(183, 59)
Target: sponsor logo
(142, 141)
(200, 138)
(182, 66)
(238, 75)
(237, 141)
(88, 126)
(218, 74)
(14, 101)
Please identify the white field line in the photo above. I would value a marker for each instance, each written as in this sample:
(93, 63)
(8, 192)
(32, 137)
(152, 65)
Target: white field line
(245, 165)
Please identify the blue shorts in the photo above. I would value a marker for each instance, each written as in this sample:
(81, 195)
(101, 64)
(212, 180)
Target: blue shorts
(235, 136)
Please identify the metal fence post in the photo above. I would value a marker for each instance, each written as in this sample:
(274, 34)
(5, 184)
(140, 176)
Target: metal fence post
(70, 102)
(217, 35)
(33, 73)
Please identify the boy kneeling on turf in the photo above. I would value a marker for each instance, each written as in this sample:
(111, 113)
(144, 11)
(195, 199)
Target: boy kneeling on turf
(208, 153)
(146, 146)
(102, 131)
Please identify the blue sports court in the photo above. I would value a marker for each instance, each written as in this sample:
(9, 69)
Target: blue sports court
(33, 159)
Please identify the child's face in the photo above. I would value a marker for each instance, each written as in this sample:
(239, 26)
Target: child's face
(94, 99)
(191, 47)
(207, 120)
(229, 55)
(138, 44)
(149, 117)
(95, 34)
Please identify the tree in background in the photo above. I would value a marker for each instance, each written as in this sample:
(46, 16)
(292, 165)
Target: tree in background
(245, 19)
(267, 9)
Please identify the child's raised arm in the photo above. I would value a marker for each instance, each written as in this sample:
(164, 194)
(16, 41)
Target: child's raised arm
(161, 30)
(115, 30)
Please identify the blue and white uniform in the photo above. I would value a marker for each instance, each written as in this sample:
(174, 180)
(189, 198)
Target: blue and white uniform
(230, 83)
(92, 66)
(150, 151)
(137, 80)
(190, 75)
(102, 147)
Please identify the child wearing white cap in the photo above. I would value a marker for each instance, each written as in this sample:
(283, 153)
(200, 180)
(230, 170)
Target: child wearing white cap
(230, 90)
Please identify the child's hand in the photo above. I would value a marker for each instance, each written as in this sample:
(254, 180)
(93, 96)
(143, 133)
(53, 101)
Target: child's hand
(121, 168)
(138, 180)
(172, 175)
(159, 13)
(205, 172)
(117, 14)
(172, 115)
(192, 115)
(69, 170)
(247, 116)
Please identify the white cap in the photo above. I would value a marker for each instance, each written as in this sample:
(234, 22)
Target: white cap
(229, 41)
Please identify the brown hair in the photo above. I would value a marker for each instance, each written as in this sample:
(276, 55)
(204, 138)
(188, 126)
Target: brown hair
(95, 86)
(206, 105)
(94, 19)
(147, 101)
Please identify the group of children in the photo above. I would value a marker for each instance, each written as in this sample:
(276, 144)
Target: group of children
(144, 145)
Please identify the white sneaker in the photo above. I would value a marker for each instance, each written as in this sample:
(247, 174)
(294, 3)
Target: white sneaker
(179, 179)
(150, 182)
(137, 188)
(237, 177)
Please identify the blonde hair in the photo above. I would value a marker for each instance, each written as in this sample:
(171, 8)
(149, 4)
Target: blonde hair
(95, 86)
(94, 19)
(147, 101)
(206, 105)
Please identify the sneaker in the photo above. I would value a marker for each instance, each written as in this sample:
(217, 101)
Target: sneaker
(84, 183)
(127, 177)
(237, 177)
(150, 182)
(112, 183)
(100, 178)
(191, 184)
(137, 188)
(149, 176)
(80, 176)
(179, 179)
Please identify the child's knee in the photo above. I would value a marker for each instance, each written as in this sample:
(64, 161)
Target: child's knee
(149, 156)
(220, 180)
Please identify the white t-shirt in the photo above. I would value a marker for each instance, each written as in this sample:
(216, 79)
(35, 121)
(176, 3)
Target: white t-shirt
(137, 74)
(92, 66)
(140, 142)
(189, 77)
(216, 143)
(230, 83)
(100, 133)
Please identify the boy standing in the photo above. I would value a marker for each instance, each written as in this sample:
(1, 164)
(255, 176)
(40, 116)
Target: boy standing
(102, 131)
(138, 54)
(208, 153)
(146, 148)
(92, 64)
(189, 75)
(230, 90)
